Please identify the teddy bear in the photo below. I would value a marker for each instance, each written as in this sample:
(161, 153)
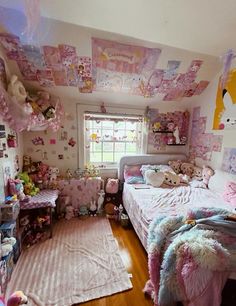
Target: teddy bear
(197, 173)
(69, 212)
(175, 165)
(17, 90)
(7, 245)
(171, 179)
(187, 168)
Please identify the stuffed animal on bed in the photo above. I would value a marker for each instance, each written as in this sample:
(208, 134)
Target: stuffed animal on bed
(171, 179)
(197, 173)
(154, 178)
(175, 165)
(187, 168)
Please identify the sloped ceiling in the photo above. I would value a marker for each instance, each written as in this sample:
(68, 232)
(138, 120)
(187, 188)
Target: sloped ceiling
(54, 32)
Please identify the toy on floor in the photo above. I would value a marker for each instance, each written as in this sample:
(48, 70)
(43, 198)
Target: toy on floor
(100, 200)
(112, 185)
(69, 212)
(83, 210)
(17, 298)
(93, 208)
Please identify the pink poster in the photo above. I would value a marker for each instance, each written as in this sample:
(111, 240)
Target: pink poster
(52, 56)
(195, 66)
(45, 78)
(72, 76)
(68, 55)
(85, 66)
(34, 56)
(28, 70)
(189, 92)
(171, 70)
(12, 46)
(173, 94)
(202, 85)
(86, 86)
(229, 160)
(113, 56)
(60, 77)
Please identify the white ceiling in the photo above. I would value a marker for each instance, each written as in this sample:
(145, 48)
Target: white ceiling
(205, 26)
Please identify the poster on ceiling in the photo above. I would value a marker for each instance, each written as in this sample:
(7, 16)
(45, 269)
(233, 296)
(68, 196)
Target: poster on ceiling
(225, 108)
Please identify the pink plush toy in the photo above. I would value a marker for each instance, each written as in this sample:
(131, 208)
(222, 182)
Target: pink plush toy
(207, 172)
(112, 185)
(229, 194)
(17, 298)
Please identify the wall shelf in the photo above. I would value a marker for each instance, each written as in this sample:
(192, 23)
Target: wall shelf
(176, 144)
(163, 132)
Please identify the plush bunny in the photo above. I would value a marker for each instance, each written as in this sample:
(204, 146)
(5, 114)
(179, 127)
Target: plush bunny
(93, 208)
(228, 117)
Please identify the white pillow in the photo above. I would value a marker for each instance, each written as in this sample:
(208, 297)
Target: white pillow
(162, 168)
(219, 179)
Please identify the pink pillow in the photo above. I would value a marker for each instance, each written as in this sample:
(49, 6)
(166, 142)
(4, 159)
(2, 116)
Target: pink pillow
(132, 171)
(229, 194)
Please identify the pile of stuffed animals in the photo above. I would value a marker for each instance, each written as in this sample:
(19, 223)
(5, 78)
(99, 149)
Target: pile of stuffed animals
(181, 173)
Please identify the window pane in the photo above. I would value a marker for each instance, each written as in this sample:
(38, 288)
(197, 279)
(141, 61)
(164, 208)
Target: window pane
(119, 147)
(130, 135)
(108, 146)
(97, 146)
(120, 135)
(107, 124)
(107, 134)
(130, 125)
(118, 156)
(97, 124)
(131, 147)
(108, 157)
(95, 157)
(119, 125)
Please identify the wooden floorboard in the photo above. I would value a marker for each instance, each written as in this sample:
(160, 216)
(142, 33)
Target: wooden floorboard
(135, 259)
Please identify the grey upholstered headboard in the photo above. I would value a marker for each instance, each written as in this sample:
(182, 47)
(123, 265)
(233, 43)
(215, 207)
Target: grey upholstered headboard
(146, 159)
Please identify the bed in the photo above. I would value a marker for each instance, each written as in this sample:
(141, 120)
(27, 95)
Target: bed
(145, 203)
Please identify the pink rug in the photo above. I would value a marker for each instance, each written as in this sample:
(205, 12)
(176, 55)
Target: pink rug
(81, 262)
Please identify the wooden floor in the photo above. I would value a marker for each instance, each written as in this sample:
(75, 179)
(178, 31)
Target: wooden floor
(135, 259)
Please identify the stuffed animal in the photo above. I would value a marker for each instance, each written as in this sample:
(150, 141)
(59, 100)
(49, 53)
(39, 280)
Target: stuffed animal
(7, 245)
(53, 173)
(16, 187)
(70, 213)
(175, 165)
(16, 299)
(184, 178)
(229, 194)
(187, 168)
(154, 178)
(16, 89)
(100, 200)
(197, 173)
(171, 179)
(207, 172)
(29, 186)
(112, 185)
(93, 208)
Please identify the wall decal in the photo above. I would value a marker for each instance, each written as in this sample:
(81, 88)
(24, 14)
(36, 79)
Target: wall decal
(225, 109)
(68, 55)
(2, 131)
(52, 56)
(229, 160)
(38, 141)
(170, 72)
(63, 135)
(52, 141)
(45, 78)
(203, 144)
(71, 142)
(60, 77)
(34, 56)
(86, 85)
(28, 70)
(60, 156)
(12, 46)
(85, 66)
(72, 76)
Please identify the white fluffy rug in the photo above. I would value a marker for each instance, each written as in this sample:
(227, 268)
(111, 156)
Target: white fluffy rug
(81, 262)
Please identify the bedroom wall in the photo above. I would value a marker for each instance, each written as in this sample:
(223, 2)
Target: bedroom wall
(9, 154)
(206, 102)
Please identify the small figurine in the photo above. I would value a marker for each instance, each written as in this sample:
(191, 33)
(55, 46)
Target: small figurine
(69, 174)
(176, 135)
(100, 200)
(93, 208)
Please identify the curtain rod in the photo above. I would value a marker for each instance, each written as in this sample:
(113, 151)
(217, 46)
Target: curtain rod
(112, 114)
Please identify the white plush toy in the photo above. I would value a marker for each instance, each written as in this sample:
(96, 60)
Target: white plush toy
(17, 90)
(93, 208)
(154, 178)
(100, 200)
(7, 245)
(176, 135)
(172, 179)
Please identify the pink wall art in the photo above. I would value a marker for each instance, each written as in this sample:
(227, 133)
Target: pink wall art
(113, 67)
(229, 160)
(202, 144)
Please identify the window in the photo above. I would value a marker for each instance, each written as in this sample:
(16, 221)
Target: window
(110, 136)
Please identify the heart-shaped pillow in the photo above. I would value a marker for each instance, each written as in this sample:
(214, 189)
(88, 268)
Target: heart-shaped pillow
(154, 178)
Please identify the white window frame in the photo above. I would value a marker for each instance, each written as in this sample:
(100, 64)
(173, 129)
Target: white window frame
(83, 108)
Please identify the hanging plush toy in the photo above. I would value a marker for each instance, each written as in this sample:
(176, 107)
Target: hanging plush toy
(17, 90)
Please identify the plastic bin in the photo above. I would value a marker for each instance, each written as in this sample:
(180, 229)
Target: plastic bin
(10, 212)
